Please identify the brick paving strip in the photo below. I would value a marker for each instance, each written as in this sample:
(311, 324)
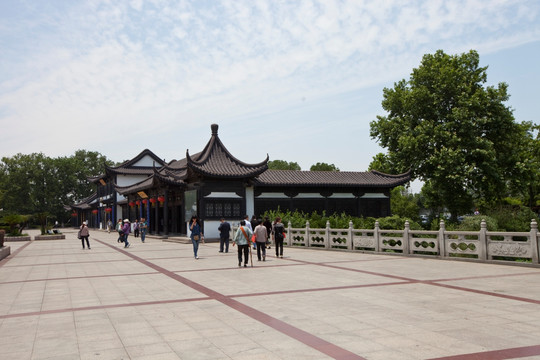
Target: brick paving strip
(308, 339)
(287, 329)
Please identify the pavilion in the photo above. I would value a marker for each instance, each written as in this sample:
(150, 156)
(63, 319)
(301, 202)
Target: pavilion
(214, 184)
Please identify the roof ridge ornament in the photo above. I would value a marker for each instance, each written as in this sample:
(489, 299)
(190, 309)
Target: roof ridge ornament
(214, 128)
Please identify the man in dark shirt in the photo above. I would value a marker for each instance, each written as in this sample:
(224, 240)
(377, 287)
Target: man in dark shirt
(224, 235)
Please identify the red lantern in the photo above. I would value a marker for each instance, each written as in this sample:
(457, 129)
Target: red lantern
(138, 202)
(161, 199)
(108, 210)
(153, 201)
(94, 211)
(73, 214)
(131, 204)
(145, 201)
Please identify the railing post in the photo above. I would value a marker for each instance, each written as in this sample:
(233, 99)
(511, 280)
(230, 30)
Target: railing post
(442, 242)
(377, 236)
(482, 238)
(289, 231)
(534, 241)
(350, 240)
(327, 237)
(306, 238)
(406, 245)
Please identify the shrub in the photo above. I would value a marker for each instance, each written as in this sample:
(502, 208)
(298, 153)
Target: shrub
(472, 223)
(513, 218)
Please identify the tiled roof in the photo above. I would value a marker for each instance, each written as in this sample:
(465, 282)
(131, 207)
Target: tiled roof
(330, 178)
(163, 175)
(216, 161)
(85, 203)
(129, 168)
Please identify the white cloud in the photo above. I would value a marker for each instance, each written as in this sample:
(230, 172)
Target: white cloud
(135, 67)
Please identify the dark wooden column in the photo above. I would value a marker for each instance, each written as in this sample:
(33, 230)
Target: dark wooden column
(156, 216)
(166, 213)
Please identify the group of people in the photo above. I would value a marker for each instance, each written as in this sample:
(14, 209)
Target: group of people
(257, 231)
(125, 227)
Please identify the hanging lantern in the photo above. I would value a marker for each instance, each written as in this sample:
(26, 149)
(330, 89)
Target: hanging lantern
(145, 201)
(138, 202)
(108, 210)
(94, 211)
(153, 201)
(161, 199)
(131, 204)
(73, 214)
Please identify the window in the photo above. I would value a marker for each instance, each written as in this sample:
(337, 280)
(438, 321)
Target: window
(222, 208)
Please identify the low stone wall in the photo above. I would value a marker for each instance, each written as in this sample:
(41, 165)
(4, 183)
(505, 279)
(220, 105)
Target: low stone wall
(483, 245)
(50, 237)
(17, 238)
(5, 251)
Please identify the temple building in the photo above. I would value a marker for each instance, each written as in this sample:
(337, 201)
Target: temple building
(214, 184)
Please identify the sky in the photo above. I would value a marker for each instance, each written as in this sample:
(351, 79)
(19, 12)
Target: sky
(297, 80)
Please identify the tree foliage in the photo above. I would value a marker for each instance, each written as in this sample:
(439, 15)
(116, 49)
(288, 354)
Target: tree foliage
(320, 166)
(35, 183)
(283, 165)
(450, 130)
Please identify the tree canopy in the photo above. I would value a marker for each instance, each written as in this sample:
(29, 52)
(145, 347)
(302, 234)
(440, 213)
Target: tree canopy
(34, 183)
(283, 165)
(321, 166)
(450, 130)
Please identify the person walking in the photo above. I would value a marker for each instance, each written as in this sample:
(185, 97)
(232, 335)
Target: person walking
(196, 234)
(224, 235)
(268, 225)
(136, 228)
(127, 230)
(242, 236)
(261, 235)
(109, 226)
(119, 226)
(278, 231)
(144, 227)
(84, 233)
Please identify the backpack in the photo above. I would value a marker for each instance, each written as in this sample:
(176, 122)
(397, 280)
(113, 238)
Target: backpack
(278, 232)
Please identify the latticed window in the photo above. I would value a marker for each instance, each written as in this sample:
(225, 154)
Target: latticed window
(222, 208)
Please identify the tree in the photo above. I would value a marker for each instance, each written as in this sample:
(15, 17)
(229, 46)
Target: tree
(452, 132)
(35, 183)
(283, 165)
(404, 204)
(382, 163)
(525, 181)
(323, 167)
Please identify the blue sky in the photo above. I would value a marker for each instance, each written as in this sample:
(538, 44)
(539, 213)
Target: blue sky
(298, 80)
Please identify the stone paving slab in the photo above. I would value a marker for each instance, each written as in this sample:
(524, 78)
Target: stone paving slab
(155, 301)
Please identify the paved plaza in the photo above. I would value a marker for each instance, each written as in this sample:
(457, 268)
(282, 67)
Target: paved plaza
(155, 301)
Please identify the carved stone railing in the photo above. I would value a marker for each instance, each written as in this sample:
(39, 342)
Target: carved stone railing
(482, 245)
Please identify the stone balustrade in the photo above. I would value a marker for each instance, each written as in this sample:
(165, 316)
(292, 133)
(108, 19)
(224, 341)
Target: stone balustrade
(481, 245)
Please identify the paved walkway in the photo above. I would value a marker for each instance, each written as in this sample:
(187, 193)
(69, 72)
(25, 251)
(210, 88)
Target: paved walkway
(155, 301)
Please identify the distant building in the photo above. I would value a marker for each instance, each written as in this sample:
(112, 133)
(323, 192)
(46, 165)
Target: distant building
(213, 184)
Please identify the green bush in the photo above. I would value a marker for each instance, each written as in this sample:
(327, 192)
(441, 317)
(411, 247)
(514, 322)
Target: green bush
(338, 221)
(513, 218)
(472, 223)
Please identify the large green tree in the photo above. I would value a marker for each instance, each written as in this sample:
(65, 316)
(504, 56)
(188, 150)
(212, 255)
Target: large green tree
(283, 165)
(525, 182)
(452, 131)
(37, 184)
(321, 166)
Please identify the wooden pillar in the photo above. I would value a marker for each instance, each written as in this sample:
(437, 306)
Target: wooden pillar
(166, 213)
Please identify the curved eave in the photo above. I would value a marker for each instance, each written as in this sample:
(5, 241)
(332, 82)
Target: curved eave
(217, 162)
(222, 175)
